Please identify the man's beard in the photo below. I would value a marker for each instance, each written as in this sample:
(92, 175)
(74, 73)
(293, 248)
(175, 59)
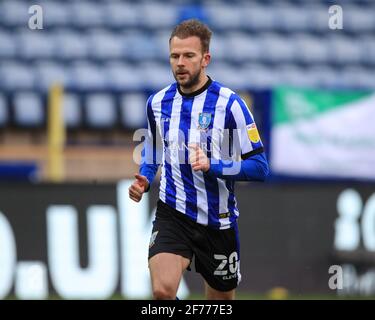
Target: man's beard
(194, 80)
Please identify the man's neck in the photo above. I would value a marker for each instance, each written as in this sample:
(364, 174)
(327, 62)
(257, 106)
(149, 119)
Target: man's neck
(202, 83)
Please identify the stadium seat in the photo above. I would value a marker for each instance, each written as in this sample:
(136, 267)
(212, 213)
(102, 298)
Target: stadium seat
(132, 111)
(224, 17)
(292, 75)
(104, 45)
(138, 46)
(36, 45)
(157, 15)
(16, 76)
(100, 111)
(56, 13)
(187, 10)
(228, 75)
(122, 14)
(8, 45)
(48, 73)
(367, 45)
(71, 45)
(344, 50)
(355, 77)
(85, 75)
(155, 75)
(258, 18)
(161, 39)
(72, 111)
(325, 76)
(86, 14)
(317, 17)
(291, 18)
(260, 76)
(276, 48)
(4, 112)
(218, 48)
(359, 19)
(123, 76)
(28, 110)
(242, 48)
(14, 13)
(310, 49)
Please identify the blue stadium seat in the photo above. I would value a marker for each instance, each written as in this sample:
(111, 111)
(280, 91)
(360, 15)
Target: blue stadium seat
(48, 72)
(28, 110)
(4, 111)
(240, 47)
(224, 17)
(367, 45)
(218, 47)
(190, 10)
(292, 75)
(70, 44)
(103, 45)
(291, 18)
(161, 39)
(14, 12)
(356, 77)
(310, 49)
(344, 50)
(227, 74)
(158, 15)
(276, 48)
(132, 110)
(36, 45)
(357, 19)
(258, 18)
(72, 111)
(56, 13)
(8, 47)
(86, 14)
(260, 76)
(122, 14)
(155, 76)
(16, 76)
(100, 111)
(325, 76)
(123, 76)
(139, 46)
(317, 17)
(85, 75)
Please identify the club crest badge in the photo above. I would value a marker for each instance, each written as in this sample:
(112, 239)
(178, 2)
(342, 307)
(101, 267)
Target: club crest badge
(204, 120)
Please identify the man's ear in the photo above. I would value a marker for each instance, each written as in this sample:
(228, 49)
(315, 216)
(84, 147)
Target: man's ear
(206, 59)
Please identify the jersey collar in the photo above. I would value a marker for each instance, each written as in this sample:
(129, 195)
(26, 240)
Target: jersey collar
(197, 92)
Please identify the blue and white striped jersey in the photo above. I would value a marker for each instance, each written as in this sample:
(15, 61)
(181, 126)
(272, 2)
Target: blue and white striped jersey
(211, 117)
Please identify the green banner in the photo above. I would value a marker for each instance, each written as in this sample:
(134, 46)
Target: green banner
(321, 133)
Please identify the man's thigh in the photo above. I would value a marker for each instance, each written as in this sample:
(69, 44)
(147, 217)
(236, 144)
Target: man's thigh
(166, 270)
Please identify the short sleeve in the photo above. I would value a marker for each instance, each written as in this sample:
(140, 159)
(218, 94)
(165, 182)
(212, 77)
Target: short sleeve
(246, 138)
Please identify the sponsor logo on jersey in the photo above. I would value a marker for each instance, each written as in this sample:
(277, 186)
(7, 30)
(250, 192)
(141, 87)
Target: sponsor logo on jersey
(252, 133)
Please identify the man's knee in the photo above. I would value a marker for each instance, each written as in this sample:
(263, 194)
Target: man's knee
(164, 292)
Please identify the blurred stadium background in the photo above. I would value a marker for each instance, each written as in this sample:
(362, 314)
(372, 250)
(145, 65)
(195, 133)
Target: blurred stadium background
(73, 93)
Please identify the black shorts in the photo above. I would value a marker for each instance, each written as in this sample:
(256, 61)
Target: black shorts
(216, 252)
